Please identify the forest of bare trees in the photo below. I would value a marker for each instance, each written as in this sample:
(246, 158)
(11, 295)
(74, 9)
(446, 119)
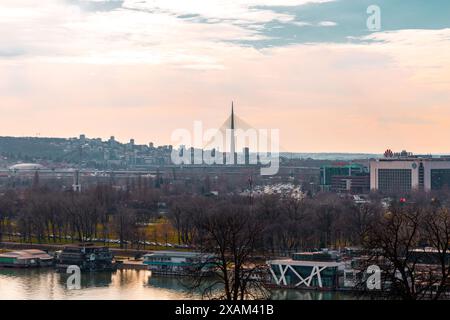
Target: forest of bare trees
(242, 232)
(40, 214)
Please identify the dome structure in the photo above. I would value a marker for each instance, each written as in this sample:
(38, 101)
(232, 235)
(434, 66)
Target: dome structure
(27, 166)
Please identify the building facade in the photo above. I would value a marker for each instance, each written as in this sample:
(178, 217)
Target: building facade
(351, 178)
(359, 184)
(405, 174)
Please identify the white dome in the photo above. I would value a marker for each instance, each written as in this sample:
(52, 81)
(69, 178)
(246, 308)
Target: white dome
(27, 166)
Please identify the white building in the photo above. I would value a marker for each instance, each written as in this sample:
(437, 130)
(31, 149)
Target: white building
(320, 270)
(405, 174)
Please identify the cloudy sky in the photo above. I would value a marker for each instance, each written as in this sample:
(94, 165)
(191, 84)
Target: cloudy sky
(143, 68)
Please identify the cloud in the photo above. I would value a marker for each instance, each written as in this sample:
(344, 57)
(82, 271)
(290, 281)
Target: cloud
(148, 67)
(136, 31)
(11, 52)
(427, 51)
(327, 24)
(97, 5)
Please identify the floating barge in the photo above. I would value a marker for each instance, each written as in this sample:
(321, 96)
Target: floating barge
(178, 263)
(307, 270)
(31, 258)
(86, 256)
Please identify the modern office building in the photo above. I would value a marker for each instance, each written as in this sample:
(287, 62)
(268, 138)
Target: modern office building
(357, 184)
(344, 177)
(405, 172)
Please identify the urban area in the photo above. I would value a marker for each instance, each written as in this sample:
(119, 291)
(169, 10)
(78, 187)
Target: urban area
(360, 226)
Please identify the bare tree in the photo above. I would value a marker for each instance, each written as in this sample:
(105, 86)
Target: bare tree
(7, 211)
(437, 233)
(231, 236)
(396, 243)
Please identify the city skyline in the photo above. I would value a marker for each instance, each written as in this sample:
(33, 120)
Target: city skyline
(141, 69)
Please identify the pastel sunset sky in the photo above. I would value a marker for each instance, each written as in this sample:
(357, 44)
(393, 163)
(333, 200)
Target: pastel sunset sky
(143, 68)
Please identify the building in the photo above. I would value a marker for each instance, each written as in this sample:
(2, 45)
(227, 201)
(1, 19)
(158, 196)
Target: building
(76, 186)
(246, 155)
(177, 262)
(342, 177)
(26, 259)
(405, 172)
(357, 184)
(233, 138)
(318, 270)
(26, 167)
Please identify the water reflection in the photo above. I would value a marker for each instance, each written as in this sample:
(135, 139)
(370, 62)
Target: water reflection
(41, 284)
(98, 279)
(46, 284)
(289, 294)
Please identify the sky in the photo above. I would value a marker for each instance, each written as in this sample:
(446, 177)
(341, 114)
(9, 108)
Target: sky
(310, 68)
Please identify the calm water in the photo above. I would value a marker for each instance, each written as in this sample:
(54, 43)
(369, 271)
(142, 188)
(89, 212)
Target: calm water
(47, 284)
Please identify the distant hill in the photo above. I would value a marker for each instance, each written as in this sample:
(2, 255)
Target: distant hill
(29, 148)
(330, 156)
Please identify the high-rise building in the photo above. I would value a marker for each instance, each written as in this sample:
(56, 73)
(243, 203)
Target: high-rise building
(403, 173)
(246, 155)
(76, 186)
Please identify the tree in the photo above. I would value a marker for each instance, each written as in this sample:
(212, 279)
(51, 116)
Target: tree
(359, 219)
(181, 212)
(397, 245)
(124, 224)
(7, 211)
(437, 233)
(231, 235)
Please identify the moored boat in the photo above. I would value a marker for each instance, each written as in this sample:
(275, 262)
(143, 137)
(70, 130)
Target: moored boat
(31, 258)
(86, 256)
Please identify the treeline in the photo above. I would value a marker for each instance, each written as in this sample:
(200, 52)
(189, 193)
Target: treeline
(408, 240)
(290, 225)
(41, 214)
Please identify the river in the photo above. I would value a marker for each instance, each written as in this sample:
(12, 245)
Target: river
(46, 284)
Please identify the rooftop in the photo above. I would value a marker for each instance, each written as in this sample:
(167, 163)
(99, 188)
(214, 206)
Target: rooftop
(174, 253)
(26, 254)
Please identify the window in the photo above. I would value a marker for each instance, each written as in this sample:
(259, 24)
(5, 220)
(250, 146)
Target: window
(440, 179)
(394, 180)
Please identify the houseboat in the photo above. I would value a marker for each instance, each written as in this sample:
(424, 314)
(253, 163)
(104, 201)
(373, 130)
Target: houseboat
(26, 259)
(178, 262)
(86, 256)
